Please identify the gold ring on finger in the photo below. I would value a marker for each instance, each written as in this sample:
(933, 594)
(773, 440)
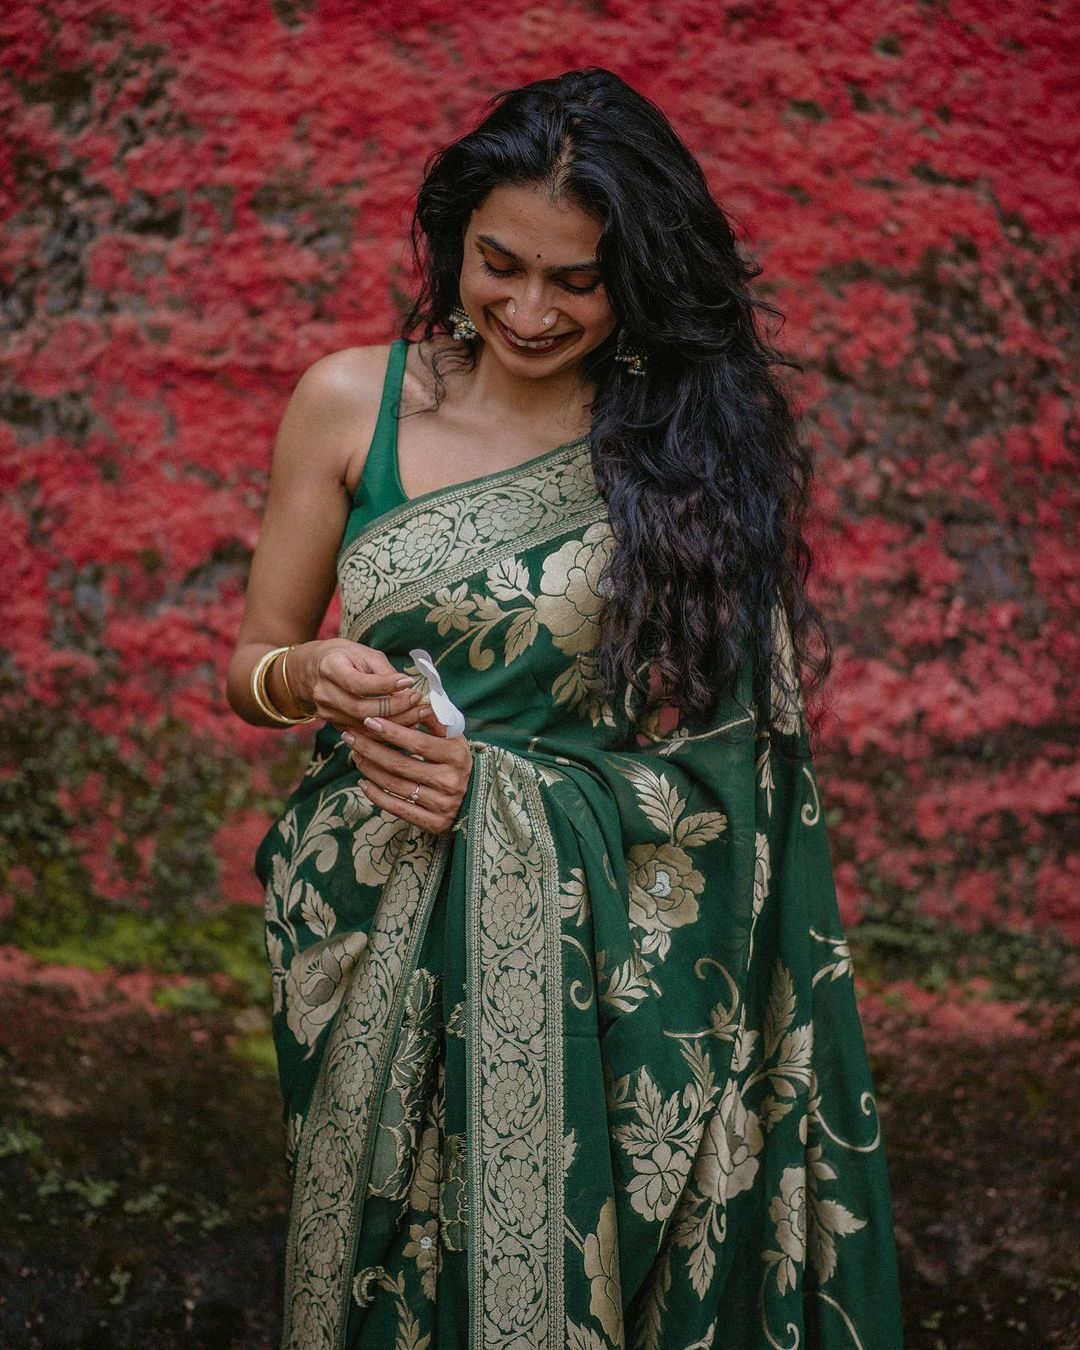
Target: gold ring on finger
(414, 794)
(384, 705)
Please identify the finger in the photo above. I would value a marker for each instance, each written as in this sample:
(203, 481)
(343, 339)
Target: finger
(413, 812)
(391, 766)
(372, 659)
(430, 720)
(359, 680)
(410, 717)
(343, 712)
(431, 795)
(410, 740)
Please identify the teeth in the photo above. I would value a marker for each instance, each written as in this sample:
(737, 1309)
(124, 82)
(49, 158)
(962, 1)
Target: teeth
(538, 345)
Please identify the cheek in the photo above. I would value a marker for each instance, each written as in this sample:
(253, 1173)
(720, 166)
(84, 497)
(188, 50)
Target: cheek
(480, 287)
(598, 314)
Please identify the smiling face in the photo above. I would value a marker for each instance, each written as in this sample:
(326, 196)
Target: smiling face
(528, 258)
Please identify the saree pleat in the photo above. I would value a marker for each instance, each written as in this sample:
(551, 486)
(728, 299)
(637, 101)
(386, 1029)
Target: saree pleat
(588, 1070)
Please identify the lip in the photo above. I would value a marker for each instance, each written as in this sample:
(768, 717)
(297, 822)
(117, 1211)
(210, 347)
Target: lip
(508, 336)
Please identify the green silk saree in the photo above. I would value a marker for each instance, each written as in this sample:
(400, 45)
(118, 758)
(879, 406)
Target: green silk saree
(587, 1070)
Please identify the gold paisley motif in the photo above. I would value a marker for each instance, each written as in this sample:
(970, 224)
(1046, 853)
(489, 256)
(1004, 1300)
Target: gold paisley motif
(374, 847)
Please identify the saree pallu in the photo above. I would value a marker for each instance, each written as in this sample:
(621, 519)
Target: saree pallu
(586, 1070)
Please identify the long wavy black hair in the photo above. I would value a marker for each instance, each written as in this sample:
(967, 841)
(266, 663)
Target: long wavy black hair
(700, 463)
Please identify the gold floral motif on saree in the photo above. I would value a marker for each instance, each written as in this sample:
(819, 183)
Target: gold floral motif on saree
(514, 1033)
(337, 1142)
(685, 984)
(395, 559)
(565, 602)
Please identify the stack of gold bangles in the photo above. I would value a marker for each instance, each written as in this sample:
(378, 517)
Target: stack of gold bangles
(258, 687)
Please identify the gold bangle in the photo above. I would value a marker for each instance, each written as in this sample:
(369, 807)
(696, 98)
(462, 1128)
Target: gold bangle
(285, 680)
(262, 698)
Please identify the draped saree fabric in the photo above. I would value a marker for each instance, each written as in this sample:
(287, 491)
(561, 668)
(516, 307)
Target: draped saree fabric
(587, 1070)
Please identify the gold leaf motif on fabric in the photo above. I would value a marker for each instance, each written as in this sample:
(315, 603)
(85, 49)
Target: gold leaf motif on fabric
(453, 1195)
(291, 900)
(786, 710)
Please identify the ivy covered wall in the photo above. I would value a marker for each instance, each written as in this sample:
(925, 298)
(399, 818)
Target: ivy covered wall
(198, 201)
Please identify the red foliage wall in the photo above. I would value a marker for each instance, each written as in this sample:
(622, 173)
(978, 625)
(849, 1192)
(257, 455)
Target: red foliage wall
(199, 200)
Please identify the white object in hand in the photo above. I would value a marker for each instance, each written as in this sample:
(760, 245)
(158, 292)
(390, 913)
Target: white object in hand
(452, 718)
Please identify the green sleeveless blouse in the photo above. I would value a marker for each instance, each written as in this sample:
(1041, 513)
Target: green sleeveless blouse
(379, 489)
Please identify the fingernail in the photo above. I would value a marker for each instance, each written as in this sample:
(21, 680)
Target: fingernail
(373, 723)
(403, 681)
(348, 738)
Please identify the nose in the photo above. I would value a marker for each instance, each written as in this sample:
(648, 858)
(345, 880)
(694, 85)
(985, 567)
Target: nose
(526, 313)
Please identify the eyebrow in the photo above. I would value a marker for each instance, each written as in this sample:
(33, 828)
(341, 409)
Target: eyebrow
(592, 265)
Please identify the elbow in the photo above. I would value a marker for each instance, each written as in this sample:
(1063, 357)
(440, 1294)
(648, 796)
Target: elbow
(234, 683)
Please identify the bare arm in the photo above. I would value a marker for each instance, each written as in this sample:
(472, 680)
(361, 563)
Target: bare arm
(329, 419)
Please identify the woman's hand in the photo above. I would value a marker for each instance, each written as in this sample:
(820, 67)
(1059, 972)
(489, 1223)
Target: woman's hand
(395, 759)
(343, 682)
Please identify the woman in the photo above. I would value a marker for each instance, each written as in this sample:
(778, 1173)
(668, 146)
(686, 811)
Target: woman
(563, 1008)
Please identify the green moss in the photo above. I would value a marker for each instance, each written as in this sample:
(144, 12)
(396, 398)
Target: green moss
(75, 807)
(227, 942)
(256, 1049)
(894, 941)
(18, 1138)
(194, 996)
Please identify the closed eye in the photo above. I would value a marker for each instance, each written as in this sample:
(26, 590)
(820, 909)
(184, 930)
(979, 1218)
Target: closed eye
(509, 272)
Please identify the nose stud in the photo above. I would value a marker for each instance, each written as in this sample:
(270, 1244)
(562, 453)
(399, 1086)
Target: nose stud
(511, 309)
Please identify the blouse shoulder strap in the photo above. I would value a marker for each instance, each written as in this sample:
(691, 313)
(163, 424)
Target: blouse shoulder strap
(377, 478)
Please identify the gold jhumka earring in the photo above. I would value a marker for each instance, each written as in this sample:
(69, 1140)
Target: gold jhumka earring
(462, 327)
(634, 361)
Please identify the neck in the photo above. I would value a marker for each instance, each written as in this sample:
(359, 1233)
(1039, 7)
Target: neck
(559, 398)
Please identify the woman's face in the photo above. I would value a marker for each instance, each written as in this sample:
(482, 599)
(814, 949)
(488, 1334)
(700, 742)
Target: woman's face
(528, 258)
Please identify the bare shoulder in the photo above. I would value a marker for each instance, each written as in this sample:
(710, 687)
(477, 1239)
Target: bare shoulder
(331, 415)
(346, 373)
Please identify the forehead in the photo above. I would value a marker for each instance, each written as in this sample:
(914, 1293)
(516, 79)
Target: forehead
(527, 220)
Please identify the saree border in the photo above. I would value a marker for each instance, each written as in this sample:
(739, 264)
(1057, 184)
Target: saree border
(437, 540)
(334, 1157)
(509, 1140)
